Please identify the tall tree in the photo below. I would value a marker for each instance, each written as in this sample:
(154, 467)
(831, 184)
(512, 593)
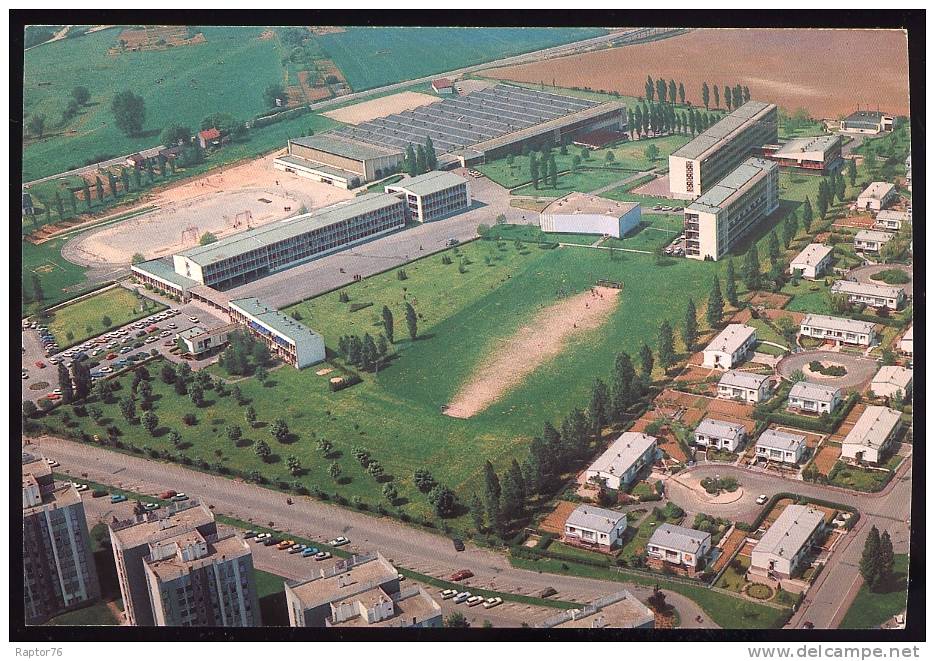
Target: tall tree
(86, 190)
(431, 158)
(715, 305)
(64, 384)
(534, 170)
(690, 326)
(477, 512)
(129, 112)
(886, 561)
(553, 171)
(650, 88)
(646, 361)
(728, 96)
(681, 93)
(631, 123)
(638, 120)
(99, 189)
(746, 94)
(673, 90)
(717, 97)
(599, 408)
(730, 284)
(492, 497)
(666, 348)
(412, 323)
(661, 90)
(738, 96)
(37, 294)
(807, 215)
(409, 161)
(705, 98)
(750, 273)
(388, 323)
(622, 394)
(421, 161)
(772, 247)
(870, 564)
(852, 171)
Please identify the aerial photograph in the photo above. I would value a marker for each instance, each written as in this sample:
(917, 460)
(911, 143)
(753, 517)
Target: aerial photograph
(464, 328)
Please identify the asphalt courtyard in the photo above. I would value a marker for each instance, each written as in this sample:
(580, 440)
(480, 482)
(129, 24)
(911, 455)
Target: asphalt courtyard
(860, 370)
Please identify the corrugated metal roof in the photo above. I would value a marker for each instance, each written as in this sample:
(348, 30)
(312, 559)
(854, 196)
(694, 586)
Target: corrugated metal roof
(352, 149)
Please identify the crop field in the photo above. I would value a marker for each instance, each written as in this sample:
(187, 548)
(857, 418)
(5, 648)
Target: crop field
(371, 57)
(396, 413)
(78, 321)
(179, 85)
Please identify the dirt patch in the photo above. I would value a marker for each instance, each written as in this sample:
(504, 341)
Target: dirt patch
(555, 521)
(775, 315)
(848, 423)
(827, 457)
(771, 300)
(327, 29)
(539, 341)
(728, 546)
(658, 187)
(376, 108)
(856, 68)
(266, 35)
(324, 371)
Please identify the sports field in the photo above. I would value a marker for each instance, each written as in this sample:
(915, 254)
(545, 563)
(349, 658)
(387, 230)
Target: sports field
(58, 277)
(371, 57)
(78, 321)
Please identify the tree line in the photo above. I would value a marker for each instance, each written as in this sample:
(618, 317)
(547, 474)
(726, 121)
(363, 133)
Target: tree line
(420, 159)
(734, 97)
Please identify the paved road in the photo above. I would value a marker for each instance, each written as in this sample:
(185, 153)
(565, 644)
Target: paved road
(408, 547)
(860, 370)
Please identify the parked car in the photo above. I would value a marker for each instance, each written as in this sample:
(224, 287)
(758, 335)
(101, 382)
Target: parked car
(448, 594)
(461, 597)
(284, 544)
(81, 487)
(179, 497)
(474, 601)
(309, 551)
(98, 493)
(52, 462)
(297, 548)
(339, 541)
(461, 575)
(250, 534)
(761, 499)
(40, 364)
(149, 507)
(493, 601)
(117, 498)
(322, 555)
(458, 544)
(269, 541)
(193, 319)
(53, 396)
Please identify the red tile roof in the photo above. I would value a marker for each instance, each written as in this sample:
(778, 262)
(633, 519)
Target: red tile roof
(441, 82)
(210, 134)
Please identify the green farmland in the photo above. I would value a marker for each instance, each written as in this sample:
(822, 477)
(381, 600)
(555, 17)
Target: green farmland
(371, 57)
(78, 321)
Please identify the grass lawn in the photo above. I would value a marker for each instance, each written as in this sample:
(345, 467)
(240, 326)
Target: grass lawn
(623, 194)
(576, 553)
(583, 181)
(97, 614)
(78, 321)
(59, 278)
(396, 413)
(532, 234)
(808, 296)
(733, 579)
(272, 597)
(374, 56)
(654, 231)
(859, 479)
(871, 609)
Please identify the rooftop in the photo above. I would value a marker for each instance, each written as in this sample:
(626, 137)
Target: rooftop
(441, 82)
(865, 118)
(908, 335)
(790, 531)
(808, 147)
(679, 538)
(428, 183)
(352, 149)
(218, 550)
(893, 375)
(867, 289)
(873, 235)
(623, 453)
(780, 440)
(733, 185)
(163, 270)
(595, 518)
(893, 214)
(719, 429)
(411, 606)
(812, 254)
(62, 496)
(731, 338)
(740, 379)
(877, 190)
(838, 324)
(814, 391)
(330, 170)
(364, 573)
(575, 203)
(727, 128)
(161, 524)
(620, 610)
(873, 427)
(277, 321)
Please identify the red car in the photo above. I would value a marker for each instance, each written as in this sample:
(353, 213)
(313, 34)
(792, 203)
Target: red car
(461, 575)
(165, 495)
(53, 396)
(40, 364)
(111, 356)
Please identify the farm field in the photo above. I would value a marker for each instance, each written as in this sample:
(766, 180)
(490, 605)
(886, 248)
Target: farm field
(179, 85)
(871, 609)
(371, 57)
(78, 321)
(850, 73)
(396, 413)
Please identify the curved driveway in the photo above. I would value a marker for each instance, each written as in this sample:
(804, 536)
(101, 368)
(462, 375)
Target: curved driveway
(860, 370)
(862, 274)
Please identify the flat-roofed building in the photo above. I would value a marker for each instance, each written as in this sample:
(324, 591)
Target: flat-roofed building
(161, 276)
(876, 196)
(905, 342)
(580, 213)
(730, 347)
(867, 122)
(59, 573)
(336, 160)
(199, 581)
(595, 526)
(677, 545)
(433, 195)
(872, 435)
(620, 463)
(838, 329)
(814, 397)
(720, 435)
(361, 591)
(892, 381)
(813, 262)
(256, 253)
(199, 341)
(787, 542)
(780, 446)
(744, 386)
(700, 164)
(879, 296)
(620, 610)
(871, 240)
(819, 153)
(892, 220)
(726, 212)
(288, 339)
(130, 540)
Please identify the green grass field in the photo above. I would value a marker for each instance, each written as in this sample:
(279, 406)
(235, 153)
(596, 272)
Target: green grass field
(871, 609)
(94, 615)
(371, 57)
(808, 296)
(583, 181)
(58, 277)
(83, 319)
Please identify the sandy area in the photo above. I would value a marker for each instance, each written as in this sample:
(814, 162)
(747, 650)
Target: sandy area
(828, 72)
(381, 107)
(539, 341)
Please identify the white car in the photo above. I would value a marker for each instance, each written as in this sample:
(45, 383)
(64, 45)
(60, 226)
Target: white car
(761, 499)
(474, 601)
(151, 339)
(81, 487)
(461, 597)
(52, 463)
(193, 319)
(339, 541)
(448, 594)
(493, 601)
(106, 369)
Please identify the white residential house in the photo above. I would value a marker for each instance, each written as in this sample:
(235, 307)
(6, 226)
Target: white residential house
(838, 329)
(871, 240)
(780, 446)
(878, 296)
(678, 545)
(876, 196)
(595, 526)
(787, 542)
(892, 380)
(892, 220)
(618, 466)
(814, 397)
(871, 436)
(730, 347)
(745, 386)
(905, 344)
(720, 435)
(813, 261)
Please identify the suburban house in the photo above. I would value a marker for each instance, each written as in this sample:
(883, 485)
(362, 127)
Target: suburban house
(730, 347)
(780, 446)
(209, 138)
(905, 344)
(619, 464)
(890, 219)
(720, 435)
(813, 261)
(787, 542)
(678, 545)
(878, 296)
(891, 380)
(876, 196)
(594, 526)
(443, 86)
(814, 397)
(871, 240)
(871, 436)
(838, 329)
(745, 386)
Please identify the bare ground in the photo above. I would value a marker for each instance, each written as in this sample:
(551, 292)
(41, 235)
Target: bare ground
(381, 107)
(542, 339)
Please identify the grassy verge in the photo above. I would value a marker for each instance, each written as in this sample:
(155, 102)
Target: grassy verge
(871, 609)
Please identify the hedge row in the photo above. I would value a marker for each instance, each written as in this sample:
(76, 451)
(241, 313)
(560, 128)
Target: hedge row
(824, 424)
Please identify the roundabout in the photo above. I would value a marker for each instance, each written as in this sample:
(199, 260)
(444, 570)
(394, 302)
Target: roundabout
(858, 371)
(864, 275)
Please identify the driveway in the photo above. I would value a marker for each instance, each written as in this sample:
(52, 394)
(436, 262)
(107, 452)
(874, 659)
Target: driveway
(862, 274)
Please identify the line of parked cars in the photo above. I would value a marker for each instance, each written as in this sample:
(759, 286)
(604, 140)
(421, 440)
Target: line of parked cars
(470, 599)
(305, 550)
(662, 207)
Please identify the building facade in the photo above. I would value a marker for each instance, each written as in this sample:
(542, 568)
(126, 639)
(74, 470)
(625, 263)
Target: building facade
(679, 546)
(780, 447)
(720, 435)
(289, 340)
(814, 398)
(744, 386)
(892, 381)
(813, 262)
(199, 341)
(595, 527)
(838, 329)
(876, 196)
(433, 195)
(892, 220)
(878, 296)
(872, 436)
(732, 346)
(867, 122)
(333, 159)
(580, 213)
(905, 342)
(781, 552)
(620, 463)
(871, 240)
